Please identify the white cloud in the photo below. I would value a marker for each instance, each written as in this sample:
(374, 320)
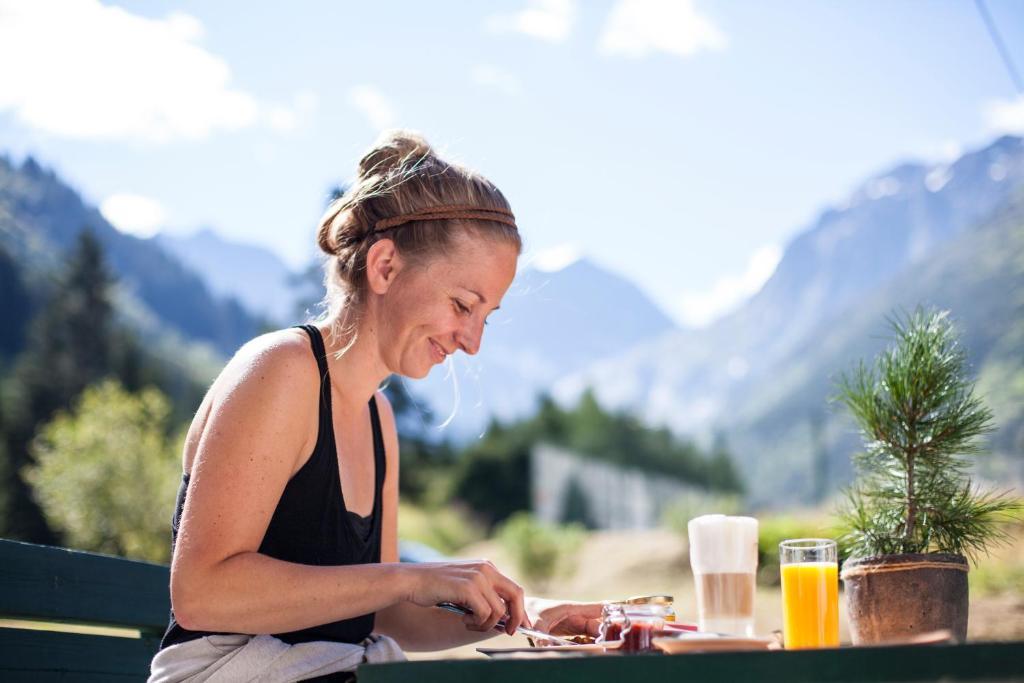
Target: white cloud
(1005, 116)
(491, 76)
(949, 151)
(556, 258)
(701, 308)
(377, 109)
(549, 20)
(737, 367)
(134, 214)
(85, 70)
(636, 28)
(290, 118)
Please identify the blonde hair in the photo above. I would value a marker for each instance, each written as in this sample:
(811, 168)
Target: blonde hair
(401, 175)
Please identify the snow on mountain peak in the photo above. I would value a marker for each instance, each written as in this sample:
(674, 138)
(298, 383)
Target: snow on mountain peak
(556, 258)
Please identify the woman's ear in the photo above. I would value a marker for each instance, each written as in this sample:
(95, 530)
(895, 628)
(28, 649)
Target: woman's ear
(383, 262)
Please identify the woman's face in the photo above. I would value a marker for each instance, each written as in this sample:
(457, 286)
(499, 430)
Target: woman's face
(439, 307)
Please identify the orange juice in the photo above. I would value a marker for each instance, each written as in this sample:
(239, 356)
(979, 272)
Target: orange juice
(810, 604)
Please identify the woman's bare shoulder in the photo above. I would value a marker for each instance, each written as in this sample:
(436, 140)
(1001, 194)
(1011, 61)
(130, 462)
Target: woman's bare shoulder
(281, 348)
(272, 376)
(272, 359)
(387, 413)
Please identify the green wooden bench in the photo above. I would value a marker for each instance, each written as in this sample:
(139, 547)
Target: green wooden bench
(85, 591)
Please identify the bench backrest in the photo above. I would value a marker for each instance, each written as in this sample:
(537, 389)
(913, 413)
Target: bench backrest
(46, 584)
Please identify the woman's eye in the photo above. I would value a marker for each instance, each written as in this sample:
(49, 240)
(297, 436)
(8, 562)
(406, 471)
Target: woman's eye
(462, 307)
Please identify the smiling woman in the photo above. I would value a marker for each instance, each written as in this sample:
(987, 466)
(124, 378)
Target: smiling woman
(285, 560)
(418, 207)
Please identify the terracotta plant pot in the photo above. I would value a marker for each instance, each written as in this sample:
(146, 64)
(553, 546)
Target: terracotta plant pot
(895, 597)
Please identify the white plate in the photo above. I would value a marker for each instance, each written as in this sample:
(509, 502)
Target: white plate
(587, 648)
(675, 645)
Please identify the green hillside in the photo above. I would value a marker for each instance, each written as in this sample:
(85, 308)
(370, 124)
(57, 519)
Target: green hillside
(793, 442)
(41, 217)
(185, 331)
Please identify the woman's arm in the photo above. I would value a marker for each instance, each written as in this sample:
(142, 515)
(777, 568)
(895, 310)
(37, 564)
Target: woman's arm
(255, 431)
(417, 628)
(565, 618)
(425, 629)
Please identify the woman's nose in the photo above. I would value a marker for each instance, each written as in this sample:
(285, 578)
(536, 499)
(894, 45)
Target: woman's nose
(469, 336)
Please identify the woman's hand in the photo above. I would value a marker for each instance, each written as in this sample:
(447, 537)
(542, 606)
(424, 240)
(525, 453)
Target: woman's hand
(561, 618)
(476, 584)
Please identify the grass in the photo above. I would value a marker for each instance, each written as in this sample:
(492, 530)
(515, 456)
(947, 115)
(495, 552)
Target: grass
(1001, 571)
(444, 528)
(774, 529)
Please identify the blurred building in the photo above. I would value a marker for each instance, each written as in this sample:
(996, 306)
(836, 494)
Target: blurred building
(568, 487)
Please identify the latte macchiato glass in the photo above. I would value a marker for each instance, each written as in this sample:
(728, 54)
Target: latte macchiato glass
(723, 556)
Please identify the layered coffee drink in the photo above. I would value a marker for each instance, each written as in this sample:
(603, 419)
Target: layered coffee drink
(723, 556)
(725, 602)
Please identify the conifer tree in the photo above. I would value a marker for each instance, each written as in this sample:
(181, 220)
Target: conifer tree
(68, 347)
(576, 506)
(722, 474)
(920, 422)
(15, 307)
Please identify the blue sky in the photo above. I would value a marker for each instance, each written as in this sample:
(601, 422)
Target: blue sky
(678, 143)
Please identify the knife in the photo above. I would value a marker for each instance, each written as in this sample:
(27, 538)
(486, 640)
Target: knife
(500, 626)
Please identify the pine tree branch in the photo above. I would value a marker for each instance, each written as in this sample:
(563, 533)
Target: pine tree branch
(920, 421)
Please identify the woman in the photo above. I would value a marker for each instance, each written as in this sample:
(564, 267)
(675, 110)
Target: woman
(286, 520)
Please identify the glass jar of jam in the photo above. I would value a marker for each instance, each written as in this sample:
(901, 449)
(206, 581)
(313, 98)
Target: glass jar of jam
(643, 623)
(613, 622)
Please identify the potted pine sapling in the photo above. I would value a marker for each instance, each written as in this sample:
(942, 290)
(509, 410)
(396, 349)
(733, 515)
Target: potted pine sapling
(913, 517)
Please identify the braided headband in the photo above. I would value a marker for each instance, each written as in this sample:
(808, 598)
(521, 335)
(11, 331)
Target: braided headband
(452, 211)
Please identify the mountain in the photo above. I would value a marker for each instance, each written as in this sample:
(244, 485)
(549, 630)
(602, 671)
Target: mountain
(549, 324)
(255, 276)
(779, 427)
(692, 379)
(177, 289)
(40, 217)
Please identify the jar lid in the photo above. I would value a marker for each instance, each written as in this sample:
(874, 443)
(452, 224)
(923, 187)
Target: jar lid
(646, 610)
(649, 600)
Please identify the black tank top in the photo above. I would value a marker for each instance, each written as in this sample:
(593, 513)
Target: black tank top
(311, 524)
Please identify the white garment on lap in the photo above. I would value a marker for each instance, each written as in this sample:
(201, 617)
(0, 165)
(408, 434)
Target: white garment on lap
(235, 657)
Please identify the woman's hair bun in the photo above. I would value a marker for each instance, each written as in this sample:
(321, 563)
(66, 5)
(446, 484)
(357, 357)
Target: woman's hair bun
(392, 149)
(400, 177)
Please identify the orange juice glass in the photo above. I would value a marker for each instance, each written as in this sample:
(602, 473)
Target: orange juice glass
(810, 593)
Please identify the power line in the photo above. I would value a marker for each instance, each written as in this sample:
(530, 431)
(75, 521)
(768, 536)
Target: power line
(1000, 46)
